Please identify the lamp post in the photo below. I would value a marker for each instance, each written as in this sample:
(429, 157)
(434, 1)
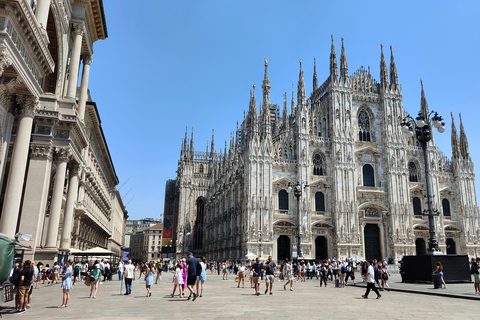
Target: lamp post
(297, 191)
(422, 128)
(184, 233)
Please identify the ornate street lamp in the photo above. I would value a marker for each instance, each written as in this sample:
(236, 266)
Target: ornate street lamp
(297, 191)
(421, 127)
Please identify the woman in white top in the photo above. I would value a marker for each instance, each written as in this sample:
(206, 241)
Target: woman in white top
(241, 274)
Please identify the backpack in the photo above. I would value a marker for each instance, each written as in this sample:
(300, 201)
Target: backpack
(15, 278)
(473, 269)
(343, 269)
(199, 268)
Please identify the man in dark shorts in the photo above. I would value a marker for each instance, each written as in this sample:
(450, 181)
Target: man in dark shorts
(257, 269)
(191, 275)
(270, 274)
(26, 279)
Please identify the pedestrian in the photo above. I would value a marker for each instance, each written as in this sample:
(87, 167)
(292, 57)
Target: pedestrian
(370, 278)
(439, 271)
(159, 267)
(288, 270)
(202, 277)
(38, 273)
(26, 278)
(475, 270)
(149, 278)
(257, 269)
(192, 263)
(76, 272)
(46, 274)
(56, 271)
(270, 274)
(129, 274)
(67, 284)
(120, 270)
(384, 274)
(342, 273)
(323, 274)
(84, 270)
(178, 280)
(241, 275)
(95, 276)
(350, 273)
(225, 271)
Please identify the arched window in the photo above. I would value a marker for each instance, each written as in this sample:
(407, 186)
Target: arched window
(200, 168)
(412, 172)
(283, 200)
(318, 165)
(417, 207)
(363, 126)
(446, 207)
(368, 176)
(319, 201)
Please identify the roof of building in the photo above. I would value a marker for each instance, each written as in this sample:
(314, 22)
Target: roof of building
(158, 226)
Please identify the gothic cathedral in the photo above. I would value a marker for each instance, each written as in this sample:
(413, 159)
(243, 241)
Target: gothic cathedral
(362, 180)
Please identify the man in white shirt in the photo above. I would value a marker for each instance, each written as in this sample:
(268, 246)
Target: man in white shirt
(129, 275)
(370, 277)
(102, 270)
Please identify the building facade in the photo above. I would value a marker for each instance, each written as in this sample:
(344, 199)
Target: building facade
(146, 245)
(134, 226)
(362, 179)
(58, 179)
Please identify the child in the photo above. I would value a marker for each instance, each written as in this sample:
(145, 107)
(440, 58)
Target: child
(178, 280)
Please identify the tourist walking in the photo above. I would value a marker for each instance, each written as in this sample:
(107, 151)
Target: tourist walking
(56, 271)
(202, 277)
(129, 274)
(257, 269)
(288, 269)
(67, 284)
(26, 278)
(184, 275)
(159, 268)
(439, 271)
(241, 274)
(384, 274)
(323, 274)
(178, 280)
(149, 278)
(192, 263)
(370, 278)
(270, 274)
(95, 276)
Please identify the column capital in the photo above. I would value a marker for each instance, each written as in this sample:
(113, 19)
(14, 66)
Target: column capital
(62, 154)
(28, 105)
(77, 28)
(41, 151)
(74, 169)
(5, 61)
(7, 99)
(87, 59)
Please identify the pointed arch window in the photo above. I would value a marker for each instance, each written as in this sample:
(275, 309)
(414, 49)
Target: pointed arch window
(417, 207)
(318, 165)
(283, 200)
(364, 126)
(412, 172)
(200, 169)
(368, 176)
(319, 202)
(446, 207)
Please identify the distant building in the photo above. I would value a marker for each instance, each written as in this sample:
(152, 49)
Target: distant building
(146, 245)
(134, 226)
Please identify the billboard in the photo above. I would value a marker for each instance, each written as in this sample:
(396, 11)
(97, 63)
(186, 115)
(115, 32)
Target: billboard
(166, 238)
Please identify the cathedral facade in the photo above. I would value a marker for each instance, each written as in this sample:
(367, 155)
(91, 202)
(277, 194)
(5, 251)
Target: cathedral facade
(362, 179)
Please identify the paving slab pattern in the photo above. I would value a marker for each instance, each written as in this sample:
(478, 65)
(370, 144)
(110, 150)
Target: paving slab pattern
(222, 299)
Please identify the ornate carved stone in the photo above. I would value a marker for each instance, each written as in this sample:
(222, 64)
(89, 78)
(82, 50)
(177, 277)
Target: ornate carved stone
(41, 151)
(87, 59)
(28, 105)
(77, 28)
(5, 61)
(75, 169)
(7, 100)
(62, 154)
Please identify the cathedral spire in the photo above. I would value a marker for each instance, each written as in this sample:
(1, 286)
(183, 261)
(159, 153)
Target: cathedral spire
(393, 72)
(343, 64)
(191, 143)
(236, 139)
(333, 64)
(266, 86)
(455, 143)
(383, 70)
(315, 79)
(185, 141)
(463, 141)
(301, 96)
(212, 148)
(424, 105)
(292, 104)
(285, 112)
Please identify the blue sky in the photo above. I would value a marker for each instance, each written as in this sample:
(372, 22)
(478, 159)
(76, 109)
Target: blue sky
(168, 65)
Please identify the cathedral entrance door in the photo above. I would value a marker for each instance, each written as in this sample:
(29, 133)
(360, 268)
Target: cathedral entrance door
(420, 247)
(321, 248)
(451, 247)
(283, 248)
(371, 235)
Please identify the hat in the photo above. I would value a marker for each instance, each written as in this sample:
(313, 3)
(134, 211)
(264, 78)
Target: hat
(97, 266)
(190, 254)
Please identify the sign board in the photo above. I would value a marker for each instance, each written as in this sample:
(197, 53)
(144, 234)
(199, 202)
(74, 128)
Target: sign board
(294, 254)
(294, 246)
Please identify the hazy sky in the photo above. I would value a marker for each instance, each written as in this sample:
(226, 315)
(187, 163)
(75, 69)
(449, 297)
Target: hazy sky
(168, 65)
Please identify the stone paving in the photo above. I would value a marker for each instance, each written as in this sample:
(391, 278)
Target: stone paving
(222, 299)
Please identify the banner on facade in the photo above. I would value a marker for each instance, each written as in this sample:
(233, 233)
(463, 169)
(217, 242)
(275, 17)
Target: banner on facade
(126, 251)
(166, 238)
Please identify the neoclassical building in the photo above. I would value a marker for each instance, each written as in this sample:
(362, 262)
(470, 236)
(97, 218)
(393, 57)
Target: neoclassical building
(57, 177)
(363, 180)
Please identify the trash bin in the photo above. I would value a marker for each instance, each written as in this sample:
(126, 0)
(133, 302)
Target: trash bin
(437, 281)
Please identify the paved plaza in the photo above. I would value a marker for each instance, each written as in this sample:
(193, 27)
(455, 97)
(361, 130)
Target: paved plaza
(222, 299)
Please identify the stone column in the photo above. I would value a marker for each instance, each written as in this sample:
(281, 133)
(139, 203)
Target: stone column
(69, 207)
(75, 60)
(82, 100)
(57, 196)
(28, 105)
(41, 13)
